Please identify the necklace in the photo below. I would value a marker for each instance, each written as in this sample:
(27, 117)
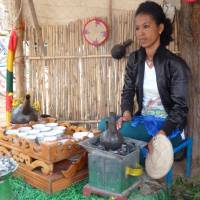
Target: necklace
(149, 62)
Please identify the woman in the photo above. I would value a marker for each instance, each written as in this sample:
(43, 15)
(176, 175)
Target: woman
(157, 77)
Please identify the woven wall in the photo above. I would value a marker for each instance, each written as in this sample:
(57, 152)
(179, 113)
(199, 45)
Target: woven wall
(74, 80)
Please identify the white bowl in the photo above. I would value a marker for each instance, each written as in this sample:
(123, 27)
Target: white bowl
(81, 135)
(22, 134)
(52, 125)
(90, 135)
(38, 126)
(45, 129)
(62, 141)
(57, 132)
(40, 138)
(46, 134)
(59, 128)
(24, 129)
(30, 137)
(50, 139)
(12, 131)
(33, 132)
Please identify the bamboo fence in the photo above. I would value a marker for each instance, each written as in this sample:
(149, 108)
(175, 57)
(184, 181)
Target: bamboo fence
(74, 80)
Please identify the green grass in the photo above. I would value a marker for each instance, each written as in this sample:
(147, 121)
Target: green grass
(186, 189)
(24, 191)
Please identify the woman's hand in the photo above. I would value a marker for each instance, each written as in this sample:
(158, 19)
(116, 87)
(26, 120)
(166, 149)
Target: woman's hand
(126, 117)
(150, 146)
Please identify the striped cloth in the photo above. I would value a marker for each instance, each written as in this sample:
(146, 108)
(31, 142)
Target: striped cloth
(9, 78)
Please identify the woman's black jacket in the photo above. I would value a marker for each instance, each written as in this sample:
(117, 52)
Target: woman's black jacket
(172, 75)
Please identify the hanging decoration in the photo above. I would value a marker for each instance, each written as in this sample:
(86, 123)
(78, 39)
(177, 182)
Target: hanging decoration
(169, 10)
(118, 51)
(190, 1)
(9, 78)
(95, 31)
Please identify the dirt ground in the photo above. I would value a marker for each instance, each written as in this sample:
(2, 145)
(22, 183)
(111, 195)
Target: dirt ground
(2, 111)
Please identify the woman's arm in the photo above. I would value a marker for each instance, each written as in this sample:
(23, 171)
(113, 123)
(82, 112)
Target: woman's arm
(179, 75)
(128, 92)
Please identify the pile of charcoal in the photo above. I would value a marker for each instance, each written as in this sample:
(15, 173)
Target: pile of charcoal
(7, 165)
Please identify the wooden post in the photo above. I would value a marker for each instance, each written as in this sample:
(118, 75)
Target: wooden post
(110, 21)
(19, 57)
(190, 50)
(36, 24)
(110, 14)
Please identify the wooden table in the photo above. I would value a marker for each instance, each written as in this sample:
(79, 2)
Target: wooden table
(50, 166)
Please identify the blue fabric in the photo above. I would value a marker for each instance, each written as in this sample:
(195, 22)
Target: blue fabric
(138, 133)
(152, 124)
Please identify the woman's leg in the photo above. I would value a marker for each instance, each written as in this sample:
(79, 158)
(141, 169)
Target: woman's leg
(138, 133)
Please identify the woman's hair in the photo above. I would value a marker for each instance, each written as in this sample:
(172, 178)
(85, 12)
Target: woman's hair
(156, 11)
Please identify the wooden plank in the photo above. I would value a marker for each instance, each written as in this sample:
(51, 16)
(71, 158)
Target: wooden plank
(49, 184)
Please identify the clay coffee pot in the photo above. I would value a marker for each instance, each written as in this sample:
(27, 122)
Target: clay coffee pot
(111, 139)
(24, 113)
(119, 50)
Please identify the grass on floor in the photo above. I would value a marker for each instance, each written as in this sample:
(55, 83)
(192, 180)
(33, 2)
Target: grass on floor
(24, 191)
(186, 188)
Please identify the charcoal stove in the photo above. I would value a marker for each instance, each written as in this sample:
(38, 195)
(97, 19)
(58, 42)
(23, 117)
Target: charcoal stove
(108, 170)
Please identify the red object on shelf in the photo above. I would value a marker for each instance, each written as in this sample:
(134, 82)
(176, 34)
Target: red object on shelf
(95, 31)
(190, 1)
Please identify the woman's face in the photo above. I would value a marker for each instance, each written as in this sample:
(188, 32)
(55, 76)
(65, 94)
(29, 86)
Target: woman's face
(147, 31)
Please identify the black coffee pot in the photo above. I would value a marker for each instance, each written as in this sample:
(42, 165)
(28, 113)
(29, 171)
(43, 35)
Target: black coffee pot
(24, 113)
(111, 139)
(119, 50)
